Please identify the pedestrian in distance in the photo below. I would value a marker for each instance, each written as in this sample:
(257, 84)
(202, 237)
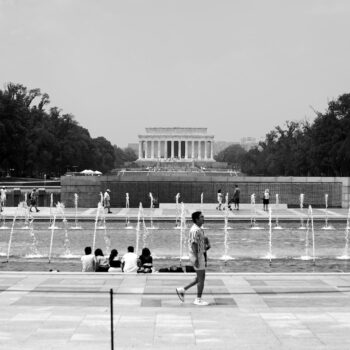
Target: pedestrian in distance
(266, 199)
(236, 195)
(219, 198)
(33, 200)
(196, 249)
(107, 201)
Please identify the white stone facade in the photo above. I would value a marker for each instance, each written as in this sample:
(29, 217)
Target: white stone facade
(175, 144)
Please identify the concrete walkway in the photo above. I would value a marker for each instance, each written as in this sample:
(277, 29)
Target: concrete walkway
(246, 311)
(244, 214)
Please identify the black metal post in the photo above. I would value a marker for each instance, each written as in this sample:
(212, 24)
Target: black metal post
(112, 326)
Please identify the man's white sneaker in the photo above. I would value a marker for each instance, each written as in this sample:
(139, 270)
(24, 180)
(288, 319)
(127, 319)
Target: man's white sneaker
(200, 302)
(181, 294)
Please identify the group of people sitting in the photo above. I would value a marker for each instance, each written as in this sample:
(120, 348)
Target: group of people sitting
(97, 262)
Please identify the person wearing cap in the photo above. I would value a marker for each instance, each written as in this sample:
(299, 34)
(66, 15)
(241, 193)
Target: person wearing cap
(33, 200)
(3, 192)
(107, 200)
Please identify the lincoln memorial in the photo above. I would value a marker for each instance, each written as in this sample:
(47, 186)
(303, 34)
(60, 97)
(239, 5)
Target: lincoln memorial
(174, 144)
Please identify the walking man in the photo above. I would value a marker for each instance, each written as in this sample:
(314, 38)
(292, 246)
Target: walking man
(196, 248)
(107, 201)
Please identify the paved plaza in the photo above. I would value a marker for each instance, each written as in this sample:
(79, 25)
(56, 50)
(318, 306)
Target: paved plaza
(246, 311)
(169, 212)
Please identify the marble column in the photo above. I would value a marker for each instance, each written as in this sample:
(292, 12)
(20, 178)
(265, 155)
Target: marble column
(186, 149)
(172, 148)
(192, 149)
(199, 149)
(140, 149)
(211, 150)
(179, 149)
(158, 149)
(166, 149)
(205, 149)
(152, 149)
(146, 149)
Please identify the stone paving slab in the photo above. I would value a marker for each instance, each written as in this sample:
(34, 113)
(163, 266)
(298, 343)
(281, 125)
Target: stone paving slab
(246, 311)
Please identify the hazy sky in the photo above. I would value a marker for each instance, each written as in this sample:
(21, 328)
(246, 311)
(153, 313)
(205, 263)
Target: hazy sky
(239, 68)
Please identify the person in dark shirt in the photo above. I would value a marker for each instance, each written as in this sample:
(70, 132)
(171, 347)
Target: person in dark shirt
(145, 261)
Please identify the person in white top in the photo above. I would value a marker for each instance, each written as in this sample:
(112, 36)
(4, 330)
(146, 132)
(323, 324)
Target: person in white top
(219, 200)
(196, 250)
(266, 199)
(88, 261)
(107, 200)
(129, 261)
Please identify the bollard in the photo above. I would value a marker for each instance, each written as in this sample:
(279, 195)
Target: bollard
(112, 326)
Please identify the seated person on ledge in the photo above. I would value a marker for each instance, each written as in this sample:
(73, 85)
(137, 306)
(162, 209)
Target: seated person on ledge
(101, 261)
(129, 261)
(88, 261)
(114, 263)
(145, 261)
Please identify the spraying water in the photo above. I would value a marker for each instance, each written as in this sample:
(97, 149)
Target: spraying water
(25, 212)
(226, 214)
(11, 233)
(269, 254)
(301, 200)
(326, 227)
(253, 225)
(99, 209)
(3, 220)
(313, 234)
(34, 246)
(307, 256)
(52, 226)
(177, 212)
(76, 200)
(346, 248)
(66, 243)
(202, 201)
(152, 227)
(182, 233)
(277, 226)
(141, 221)
(127, 206)
(226, 256)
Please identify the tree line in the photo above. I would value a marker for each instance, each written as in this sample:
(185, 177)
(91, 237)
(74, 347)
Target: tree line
(321, 148)
(37, 140)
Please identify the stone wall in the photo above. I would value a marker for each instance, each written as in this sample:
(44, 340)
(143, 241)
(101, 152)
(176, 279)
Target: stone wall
(165, 186)
(15, 195)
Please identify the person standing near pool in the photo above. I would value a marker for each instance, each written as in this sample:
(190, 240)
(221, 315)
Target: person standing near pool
(107, 200)
(196, 249)
(266, 199)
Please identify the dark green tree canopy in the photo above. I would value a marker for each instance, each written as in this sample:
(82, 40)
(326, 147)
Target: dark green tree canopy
(34, 141)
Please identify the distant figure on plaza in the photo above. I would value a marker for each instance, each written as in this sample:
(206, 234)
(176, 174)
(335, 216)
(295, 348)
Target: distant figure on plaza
(88, 261)
(3, 192)
(107, 200)
(101, 261)
(219, 200)
(145, 261)
(129, 261)
(196, 249)
(236, 195)
(266, 199)
(115, 265)
(33, 200)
